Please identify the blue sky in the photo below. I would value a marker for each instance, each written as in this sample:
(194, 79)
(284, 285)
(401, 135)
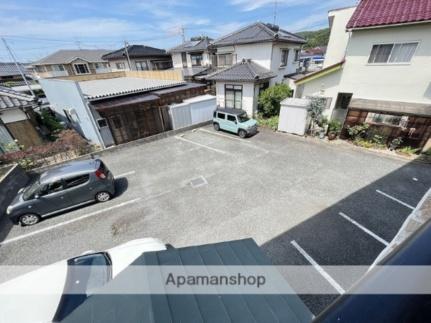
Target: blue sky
(37, 28)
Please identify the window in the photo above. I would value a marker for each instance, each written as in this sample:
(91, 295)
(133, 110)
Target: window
(81, 69)
(58, 68)
(196, 59)
(387, 119)
(102, 123)
(392, 53)
(225, 59)
(231, 118)
(297, 52)
(53, 187)
(284, 57)
(120, 66)
(77, 180)
(184, 59)
(233, 96)
(221, 115)
(142, 66)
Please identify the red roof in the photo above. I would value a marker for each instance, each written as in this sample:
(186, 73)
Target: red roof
(370, 13)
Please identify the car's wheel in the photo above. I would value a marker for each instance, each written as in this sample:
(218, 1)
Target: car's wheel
(242, 133)
(29, 219)
(216, 127)
(103, 196)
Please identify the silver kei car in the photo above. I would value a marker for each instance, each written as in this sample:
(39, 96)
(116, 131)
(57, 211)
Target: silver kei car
(62, 188)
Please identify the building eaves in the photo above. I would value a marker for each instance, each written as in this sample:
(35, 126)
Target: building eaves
(10, 99)
(244, 71)
(321, 73)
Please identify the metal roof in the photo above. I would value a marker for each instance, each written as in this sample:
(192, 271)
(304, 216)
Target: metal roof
(395, 107)
(10, 99)
(98, 89)
(10, 69)
(136, 51)
(195, 307)
(67, 56)
(373, 13)
(256, 33)
(192, 46)
(246, 71)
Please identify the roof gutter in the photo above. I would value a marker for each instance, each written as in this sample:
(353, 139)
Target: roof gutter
(389, 25)
(319, 74)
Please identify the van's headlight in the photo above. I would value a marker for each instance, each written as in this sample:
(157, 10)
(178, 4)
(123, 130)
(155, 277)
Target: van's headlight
(9, 210)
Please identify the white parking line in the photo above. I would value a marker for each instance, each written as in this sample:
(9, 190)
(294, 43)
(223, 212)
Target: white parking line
(243, 141)
(68, 222)
(360, 226)
(126, 174)
(202, 145)
(395, 199)
(321, 271)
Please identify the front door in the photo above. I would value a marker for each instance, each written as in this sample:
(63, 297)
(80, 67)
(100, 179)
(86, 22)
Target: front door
(52, 198)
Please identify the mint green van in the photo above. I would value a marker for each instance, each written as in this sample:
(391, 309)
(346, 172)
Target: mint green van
(234, 120)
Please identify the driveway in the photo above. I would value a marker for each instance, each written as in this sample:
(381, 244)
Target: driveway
(303, 201)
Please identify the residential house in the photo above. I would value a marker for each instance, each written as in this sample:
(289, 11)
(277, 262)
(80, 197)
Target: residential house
(70, 62)
(115, 110)
(138, 58)
(17, 120)
(263, 51)
(377, 70)
(193, 57)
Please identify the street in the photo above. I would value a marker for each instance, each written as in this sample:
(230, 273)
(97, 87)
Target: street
(303, 201)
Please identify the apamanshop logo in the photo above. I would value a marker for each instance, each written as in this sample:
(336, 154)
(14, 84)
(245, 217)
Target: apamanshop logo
(215, 280)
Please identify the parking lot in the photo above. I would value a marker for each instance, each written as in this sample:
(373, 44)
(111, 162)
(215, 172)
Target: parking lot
(303, 201)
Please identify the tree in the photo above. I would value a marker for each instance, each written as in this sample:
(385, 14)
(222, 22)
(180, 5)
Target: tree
(316, 38)
(269, 100)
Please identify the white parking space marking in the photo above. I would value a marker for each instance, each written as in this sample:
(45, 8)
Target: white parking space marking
(243, 141)
(321, 271)
(202, 145)
(126, 174)
(395, 199)
(24, 236)
(360, 226)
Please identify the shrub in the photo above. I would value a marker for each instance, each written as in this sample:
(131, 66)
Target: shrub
(334, 126)
(269, 99)
(47, 119)
(358, 131)
(271, 122)
(408, 150)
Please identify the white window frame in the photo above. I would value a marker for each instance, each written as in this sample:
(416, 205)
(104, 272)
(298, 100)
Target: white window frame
(390, 55)
(225, 54)
(140, 64)
(77, 73)
(282, 63)
(118, 68)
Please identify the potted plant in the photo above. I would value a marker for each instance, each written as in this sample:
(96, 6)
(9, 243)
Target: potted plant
(395, 143)
(334, 128)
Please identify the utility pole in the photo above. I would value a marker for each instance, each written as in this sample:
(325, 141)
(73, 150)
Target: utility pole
(275, 11)
(126, 49)
(183, 34)
(18, 67)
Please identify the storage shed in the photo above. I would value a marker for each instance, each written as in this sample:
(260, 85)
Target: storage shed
(294, 116)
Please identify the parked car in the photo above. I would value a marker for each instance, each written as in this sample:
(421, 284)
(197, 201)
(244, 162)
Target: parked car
(62, 188)
(234, 120)
(44, 295)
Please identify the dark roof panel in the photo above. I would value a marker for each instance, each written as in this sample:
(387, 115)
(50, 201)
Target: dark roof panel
(192, 46)
(136, 51)
(246, 71)
(373, 13)
(258, 32)
(192, 307)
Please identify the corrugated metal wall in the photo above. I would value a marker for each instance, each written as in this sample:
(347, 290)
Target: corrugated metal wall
(192, 111)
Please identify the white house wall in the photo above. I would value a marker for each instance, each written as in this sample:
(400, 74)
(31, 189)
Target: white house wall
(66, 95)
(249, 104)
(291, 66)
(339, 37)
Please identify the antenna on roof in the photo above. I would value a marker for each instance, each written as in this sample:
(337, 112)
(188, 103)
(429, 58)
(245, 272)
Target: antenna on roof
(275, 11)
(183, 35)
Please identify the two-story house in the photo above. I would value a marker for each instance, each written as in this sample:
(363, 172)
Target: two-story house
(138, 58)
(193, 57)
(379, 71)
(250, 60)
(70, 62)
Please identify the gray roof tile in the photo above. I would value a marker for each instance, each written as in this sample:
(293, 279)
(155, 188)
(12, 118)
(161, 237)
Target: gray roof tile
(136, 51)
(192, 46)
(12, 99)
(10, 69)
(258, 32)
(66, 56)
(246, 71)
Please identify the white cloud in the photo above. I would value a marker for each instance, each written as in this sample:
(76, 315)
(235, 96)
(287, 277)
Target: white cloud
(310, 22)
(250, 5)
